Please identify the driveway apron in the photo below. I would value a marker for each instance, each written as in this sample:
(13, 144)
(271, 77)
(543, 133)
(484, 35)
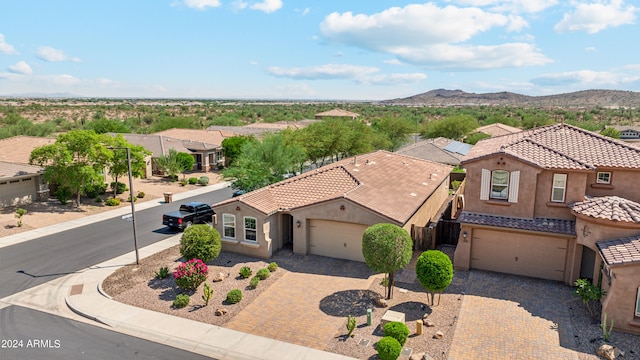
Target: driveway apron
(512, 317)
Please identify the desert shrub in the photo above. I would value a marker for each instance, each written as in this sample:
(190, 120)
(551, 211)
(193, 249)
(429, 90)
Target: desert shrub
(189, 275)
(455, 184)
(120, 187)
(254, 282)
(203, 180)
(263, 273)
(112, 202)
(162, 273)
(184, 182)
(141, 194)
(388, 348)
(63, 194)
(181, 301)
(272, 267)
(397, 330)
(193, 180)
(200, 242)
(99, 199)
(245, 272)
(131, 197)
(589, 294)
(234, 296)
(94, 190)
(207, 294)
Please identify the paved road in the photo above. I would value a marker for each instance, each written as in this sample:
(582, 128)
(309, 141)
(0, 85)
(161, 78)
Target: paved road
(38, 261)
(34, 335)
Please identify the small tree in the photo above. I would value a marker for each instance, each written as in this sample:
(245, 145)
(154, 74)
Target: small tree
(588, 293)
(434, 270)
(200, 242)
(386, 248)
(19, 214)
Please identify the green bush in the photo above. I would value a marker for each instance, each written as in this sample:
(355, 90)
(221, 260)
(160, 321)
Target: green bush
(245, 272)
(234, 296)
(63, 194)
(254, 282)
(272, 267)
(189, 275)
(263, 273)
(162, 273)
(141, 194)
(203, 180)
(112, 202)
(121, 187)
(99, 199)
(434, 270)
(397, 330)
(200, 242)
(181, 301)
(388, 348)
(193, 180)
(184, 182)
(94, 190)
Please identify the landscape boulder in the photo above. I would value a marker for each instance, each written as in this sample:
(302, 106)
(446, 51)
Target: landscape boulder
(218, 277)
(438, 335)
(220, 312)
(609, 352)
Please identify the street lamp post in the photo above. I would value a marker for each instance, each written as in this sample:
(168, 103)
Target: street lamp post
(131, 200)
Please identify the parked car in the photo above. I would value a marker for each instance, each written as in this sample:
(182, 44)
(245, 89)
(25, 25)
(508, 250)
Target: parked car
(189, 214)
(238, 193)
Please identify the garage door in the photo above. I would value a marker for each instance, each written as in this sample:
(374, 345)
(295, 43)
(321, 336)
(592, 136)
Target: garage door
(16, 192)
(519, 254)
(336, 239)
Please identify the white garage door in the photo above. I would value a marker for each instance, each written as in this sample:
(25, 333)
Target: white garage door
(519, 254)
(16, 192)
(336, 239)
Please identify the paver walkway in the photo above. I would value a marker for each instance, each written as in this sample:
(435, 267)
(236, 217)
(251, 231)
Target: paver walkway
(510, 317)
(293, 302)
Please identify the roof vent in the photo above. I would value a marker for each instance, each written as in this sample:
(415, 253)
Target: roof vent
(413, 194)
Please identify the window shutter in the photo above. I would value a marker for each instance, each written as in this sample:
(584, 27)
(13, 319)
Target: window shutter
(485, 184)
(513, 186)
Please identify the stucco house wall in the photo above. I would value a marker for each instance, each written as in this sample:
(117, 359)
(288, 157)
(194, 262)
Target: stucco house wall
(430, 207)
(575, 191)
(262, 247)
(622, 288)
(623, 184)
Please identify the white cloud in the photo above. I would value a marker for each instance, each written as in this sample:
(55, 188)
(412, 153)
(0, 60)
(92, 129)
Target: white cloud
(238, 5)
(514, 6)
(202, 4)
(597, 16)
(6, 48)
(328, 71)
(47, 53)
(267, 6)
(586, 79)
(21, 68)
(431, 36)
(392, 79)
(393, 62)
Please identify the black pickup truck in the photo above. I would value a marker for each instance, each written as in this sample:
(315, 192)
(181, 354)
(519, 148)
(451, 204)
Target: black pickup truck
(189, 213)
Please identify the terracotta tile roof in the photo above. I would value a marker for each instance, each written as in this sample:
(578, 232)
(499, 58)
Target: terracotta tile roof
(390, 184)
(158, 145)
(432, 150)
(17, 149)
(556, 226)
(212, 137)
(10, 170)
(560, 146)
(498, 129)
(620, 251)
(608, 208)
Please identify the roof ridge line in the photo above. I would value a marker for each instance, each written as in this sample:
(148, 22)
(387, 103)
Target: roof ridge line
(559, 153)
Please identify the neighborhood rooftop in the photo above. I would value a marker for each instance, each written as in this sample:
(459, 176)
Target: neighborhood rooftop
(560, 146)
(390, 184)
(556, 226)
(620, 251)
(609, 208)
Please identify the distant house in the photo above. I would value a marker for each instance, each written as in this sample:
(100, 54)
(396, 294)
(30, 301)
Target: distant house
(497, 129)
(204, 145)
(326, 211)
(158, 145)
(336, 113)
(260, 128)
(440, 150)
(560, 203)
(628, 133)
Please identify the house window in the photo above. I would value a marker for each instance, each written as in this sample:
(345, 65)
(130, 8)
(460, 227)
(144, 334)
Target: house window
(559, 187)
(250, 229)
(499, 185)
(603, 178)
(229, 226)
(638, 302)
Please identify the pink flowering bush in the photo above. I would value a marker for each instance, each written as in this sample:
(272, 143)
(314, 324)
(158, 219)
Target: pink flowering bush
(189, 275)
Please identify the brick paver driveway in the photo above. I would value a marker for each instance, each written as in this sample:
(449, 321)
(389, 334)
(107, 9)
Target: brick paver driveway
(512, 317)
(292, 310)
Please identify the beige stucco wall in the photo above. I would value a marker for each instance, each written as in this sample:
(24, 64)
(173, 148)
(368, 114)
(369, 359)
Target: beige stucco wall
(575, 190)
(619, 304)
(430, 207)
(263, 247)
(623, 184)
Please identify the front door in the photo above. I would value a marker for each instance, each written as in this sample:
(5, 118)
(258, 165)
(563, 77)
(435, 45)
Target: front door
(287, 231)
(588, 263)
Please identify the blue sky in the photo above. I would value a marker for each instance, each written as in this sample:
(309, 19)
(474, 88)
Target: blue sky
(323, 49)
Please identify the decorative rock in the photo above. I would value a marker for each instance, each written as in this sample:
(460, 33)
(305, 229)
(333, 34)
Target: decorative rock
(428, 323)
(218, 277)
(426, 357)
(417, 356)
(380, 302)
(438, 335)
(220, 312)
(608, 352)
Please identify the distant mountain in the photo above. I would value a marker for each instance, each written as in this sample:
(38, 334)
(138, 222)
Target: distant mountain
(42, 95)
(587, 98)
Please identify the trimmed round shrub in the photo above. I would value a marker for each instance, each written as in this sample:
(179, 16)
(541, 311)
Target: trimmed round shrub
(181, 301)
(112, 202)
(200, 241)
(434, 270)
(99, 199)
(254, 282)
(189, 275)
(193, 180)
(94, 190)
(263, 273)
(245, 272)
(120, 187)
(234, 296)
(141, 194)
(397, 330)
(203, 180)
(272, 267)
(388, 348)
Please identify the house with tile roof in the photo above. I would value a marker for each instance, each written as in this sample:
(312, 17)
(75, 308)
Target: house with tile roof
(440, 150)
(204, 145)
(556, 202)
(497, 129)
(21, 183)
(326, 211)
